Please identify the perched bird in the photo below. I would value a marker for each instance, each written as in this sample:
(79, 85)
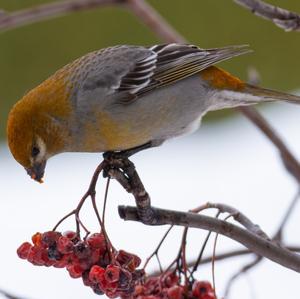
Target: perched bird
(126, 97)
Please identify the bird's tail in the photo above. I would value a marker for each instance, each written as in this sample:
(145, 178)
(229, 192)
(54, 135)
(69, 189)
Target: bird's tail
(230, 91)
(268, 95)
(248, 94)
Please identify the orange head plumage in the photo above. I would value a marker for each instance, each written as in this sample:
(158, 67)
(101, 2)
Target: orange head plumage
(37, 125)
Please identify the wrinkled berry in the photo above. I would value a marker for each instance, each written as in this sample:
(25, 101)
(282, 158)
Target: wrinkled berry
(23, 250)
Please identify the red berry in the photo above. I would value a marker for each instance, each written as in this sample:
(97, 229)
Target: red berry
(82, 250)
(125, 279)
(35, 256)
(97, 241)
(63, 262)
(49, 238)
(112, 294)
(53, 253)
(128, 260)
(95, 256)
(175, 292)
(97, 290)
(139, 290)
(170, 279)
(70, 235)
(64, 245)
(111, 286)
(112, 273)
(75, 271)
(209, 295)
(23, 250)
(96, 274)
(36, 239)
(201, 289)
(86, 280)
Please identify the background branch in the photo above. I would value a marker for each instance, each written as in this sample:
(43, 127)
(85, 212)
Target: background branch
(47, 11)
(287, 20)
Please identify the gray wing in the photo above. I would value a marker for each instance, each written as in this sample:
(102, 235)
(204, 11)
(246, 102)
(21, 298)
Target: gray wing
(169, 63)
(127, 72)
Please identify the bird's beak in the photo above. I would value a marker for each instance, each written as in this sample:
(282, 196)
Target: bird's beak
(36, 172)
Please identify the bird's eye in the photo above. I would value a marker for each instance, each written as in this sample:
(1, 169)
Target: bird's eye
(35, 151)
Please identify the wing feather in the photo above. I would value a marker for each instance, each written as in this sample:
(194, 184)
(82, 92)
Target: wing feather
(169, 63)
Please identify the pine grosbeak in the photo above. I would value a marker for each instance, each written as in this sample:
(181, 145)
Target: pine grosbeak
(124, 97)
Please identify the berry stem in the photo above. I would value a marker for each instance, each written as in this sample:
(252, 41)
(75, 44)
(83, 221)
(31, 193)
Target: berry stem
(105, 200)
(63, 219)
(155, 252)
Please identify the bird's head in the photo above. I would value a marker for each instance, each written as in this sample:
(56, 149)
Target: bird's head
(36, 131)
(25, 142)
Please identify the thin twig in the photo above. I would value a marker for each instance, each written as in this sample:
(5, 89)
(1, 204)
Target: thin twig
(283, 18)
(155, 252)
(278, 235)
(50, 10)
(105, 201)
(255, 243)
(199, 258)
(235, 214)
(243, 270)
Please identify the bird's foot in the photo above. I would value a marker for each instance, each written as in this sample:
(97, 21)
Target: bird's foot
(119, 167)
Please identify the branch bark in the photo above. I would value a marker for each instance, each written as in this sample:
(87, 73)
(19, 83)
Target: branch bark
(283, 18)
(237, 215)
(150, 17)
(255, 243)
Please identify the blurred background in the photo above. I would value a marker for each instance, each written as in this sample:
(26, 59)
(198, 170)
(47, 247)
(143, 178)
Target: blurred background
(232, 162)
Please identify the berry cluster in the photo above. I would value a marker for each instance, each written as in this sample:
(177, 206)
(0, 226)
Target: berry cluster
(167, 286)
(103, 269)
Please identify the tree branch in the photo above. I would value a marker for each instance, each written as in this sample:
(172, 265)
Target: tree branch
(150, 17)
(255, 243)
(287, 20)
(236, 214)
(47, 11)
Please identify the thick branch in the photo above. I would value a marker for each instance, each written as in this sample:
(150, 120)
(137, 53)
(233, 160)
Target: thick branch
(48, 11)
(287, 20)
(253, 242)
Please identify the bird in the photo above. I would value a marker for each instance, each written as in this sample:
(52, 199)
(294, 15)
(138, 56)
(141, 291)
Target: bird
(126, 98)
